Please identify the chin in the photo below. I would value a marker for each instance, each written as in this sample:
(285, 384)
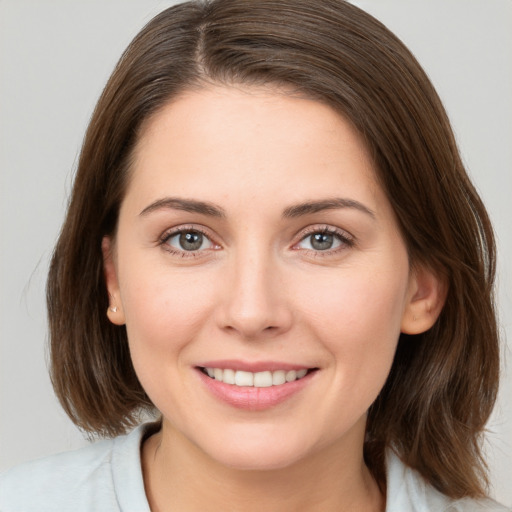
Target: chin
(257, 460)
(257, 452)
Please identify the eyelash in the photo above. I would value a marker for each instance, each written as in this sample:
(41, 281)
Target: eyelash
(346, 240)
(164, 239)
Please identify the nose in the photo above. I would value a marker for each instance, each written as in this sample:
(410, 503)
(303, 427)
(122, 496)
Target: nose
(255, 304)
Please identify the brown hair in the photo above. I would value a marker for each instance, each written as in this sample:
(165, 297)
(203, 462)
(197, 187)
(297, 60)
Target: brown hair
(443, 383)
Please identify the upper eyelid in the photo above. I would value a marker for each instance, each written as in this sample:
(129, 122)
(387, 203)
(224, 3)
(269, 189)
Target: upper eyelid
(172, 232)
(300, 235)
(169, 232)
(346, 239)
(324, 228)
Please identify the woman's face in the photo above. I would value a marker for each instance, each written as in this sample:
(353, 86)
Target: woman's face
(255, 244)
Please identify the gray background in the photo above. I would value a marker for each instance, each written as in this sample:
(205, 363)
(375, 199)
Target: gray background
(55, 57)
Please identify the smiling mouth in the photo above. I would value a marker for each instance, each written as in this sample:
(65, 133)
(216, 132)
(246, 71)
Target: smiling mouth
(263, 379)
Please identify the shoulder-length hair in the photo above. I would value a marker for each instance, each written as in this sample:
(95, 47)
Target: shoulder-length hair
(442, 386)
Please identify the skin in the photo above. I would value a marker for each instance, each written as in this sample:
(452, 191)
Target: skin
(257, 289)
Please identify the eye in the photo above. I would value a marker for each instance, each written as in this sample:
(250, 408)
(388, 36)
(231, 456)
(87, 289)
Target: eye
(324, 240)
(189, 240)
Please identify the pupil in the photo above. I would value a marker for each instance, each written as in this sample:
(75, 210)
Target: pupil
(191, 241)
(322, 241)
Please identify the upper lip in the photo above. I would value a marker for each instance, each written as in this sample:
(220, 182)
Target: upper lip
(252, 366)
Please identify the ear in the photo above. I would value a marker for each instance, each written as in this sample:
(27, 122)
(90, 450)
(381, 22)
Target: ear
(425, 300)
(115, 311)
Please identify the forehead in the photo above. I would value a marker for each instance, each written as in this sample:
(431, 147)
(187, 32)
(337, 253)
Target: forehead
(241, 111)
(242, 141)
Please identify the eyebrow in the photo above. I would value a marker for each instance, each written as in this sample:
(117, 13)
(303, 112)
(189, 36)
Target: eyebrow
(187, 205)
(294, 211)
(326, 204)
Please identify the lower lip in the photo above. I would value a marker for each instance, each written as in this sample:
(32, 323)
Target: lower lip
(252, 398)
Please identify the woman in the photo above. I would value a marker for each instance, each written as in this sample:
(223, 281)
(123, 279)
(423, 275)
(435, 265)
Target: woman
(278, 248)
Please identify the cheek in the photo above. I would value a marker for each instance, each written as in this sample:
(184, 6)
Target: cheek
(165, 312)
(358, 301)
(358, 320)
(164, 309)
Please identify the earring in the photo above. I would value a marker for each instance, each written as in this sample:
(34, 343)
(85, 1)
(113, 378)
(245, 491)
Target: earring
(113, 309)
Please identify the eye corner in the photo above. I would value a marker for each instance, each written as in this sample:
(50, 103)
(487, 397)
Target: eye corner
(188, 241)
(329, 240)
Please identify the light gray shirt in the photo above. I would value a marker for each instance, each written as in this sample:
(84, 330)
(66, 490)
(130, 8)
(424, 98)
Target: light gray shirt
(107, 477)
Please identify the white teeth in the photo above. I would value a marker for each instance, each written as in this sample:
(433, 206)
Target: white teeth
(301, 373)
(244, 378)
(229, 376)
(258, 380)
(263, 379)
(291, 375)
(278, 377)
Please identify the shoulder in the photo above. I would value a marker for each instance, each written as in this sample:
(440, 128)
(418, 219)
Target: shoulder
(66, 481)
(407, 490)
(96, 477)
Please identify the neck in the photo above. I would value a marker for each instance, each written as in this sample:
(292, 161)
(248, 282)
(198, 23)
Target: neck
(179, 476)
